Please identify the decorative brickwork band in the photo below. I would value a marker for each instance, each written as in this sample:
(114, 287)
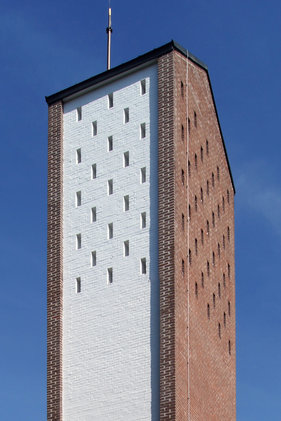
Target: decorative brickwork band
(166, 197)
(54, 264)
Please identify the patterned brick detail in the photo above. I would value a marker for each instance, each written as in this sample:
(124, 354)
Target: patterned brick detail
(166, 198)
(54, 264)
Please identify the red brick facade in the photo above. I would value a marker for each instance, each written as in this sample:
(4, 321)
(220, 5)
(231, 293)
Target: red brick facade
(196, 257)
(54, 264)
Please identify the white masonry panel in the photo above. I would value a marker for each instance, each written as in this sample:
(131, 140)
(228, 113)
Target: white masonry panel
(110, 252)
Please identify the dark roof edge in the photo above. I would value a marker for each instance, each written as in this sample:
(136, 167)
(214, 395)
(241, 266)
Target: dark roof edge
(115, 71)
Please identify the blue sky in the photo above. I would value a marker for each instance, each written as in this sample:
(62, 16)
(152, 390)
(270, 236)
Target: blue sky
(47, 46)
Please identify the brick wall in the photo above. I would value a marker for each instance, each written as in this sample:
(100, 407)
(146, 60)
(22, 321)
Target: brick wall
(54, 265)
(212, 368)
(197, 371)
(111, 331)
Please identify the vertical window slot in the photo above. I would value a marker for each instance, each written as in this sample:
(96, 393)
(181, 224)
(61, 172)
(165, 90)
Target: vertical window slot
(126, 159)
(94, 128)
(143, 175)
(143, 220)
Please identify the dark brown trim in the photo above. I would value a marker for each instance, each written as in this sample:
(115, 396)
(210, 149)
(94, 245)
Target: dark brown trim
(54, 263)
(166, 212)
(125, 67)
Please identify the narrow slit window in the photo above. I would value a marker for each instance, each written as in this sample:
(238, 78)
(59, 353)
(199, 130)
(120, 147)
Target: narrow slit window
(228, 196)
(126, 248)
(214, 300)
(202, 279)
(182, 177)
(223, 241)
(126, 159)
(94, 258)
(208, 268)
(189, 169)
(78, 241)
(224, 319)
(78, 285)
(208, 187)
(189, 212)
(78, 198)
(213, 259)
(223, 204)
(202, 237)
(110, 143)
(195, 161)
(196, 289)
(218, 173)
(229, 347)
(219, 249)
(94, 214)
(110, 186)
(196, 246)
(201, 195)
(182, 267)
(207, 147)
(219, 211)
(143, 87)
(195, 203)
(110, 100)
(213, 219)
(228, 270)
(229, 309)
(94, 171)
(143, 175)
(223, 280)
(182, 89)
(189, 257)
(182, 222)
(219, 330)
(79, 113)
(189, 125)
(228, 233)
(213, 179)
(208, 227)
(202, 154)
(109, 275)
(208, 311)
(143, 220)
(143, 266)
(182, 133)
(78, 156)
(219, 290)
(195, 119)
(143, 130)
(94, 128)
(110, 231)
(126, 203)
(126, 115)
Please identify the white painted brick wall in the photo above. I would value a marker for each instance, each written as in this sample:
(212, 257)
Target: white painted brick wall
(111, 332)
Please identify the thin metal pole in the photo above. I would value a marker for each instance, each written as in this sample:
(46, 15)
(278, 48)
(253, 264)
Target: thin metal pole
(109, 31)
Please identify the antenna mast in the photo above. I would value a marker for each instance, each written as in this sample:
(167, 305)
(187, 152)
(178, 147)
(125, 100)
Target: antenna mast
(109, 32)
